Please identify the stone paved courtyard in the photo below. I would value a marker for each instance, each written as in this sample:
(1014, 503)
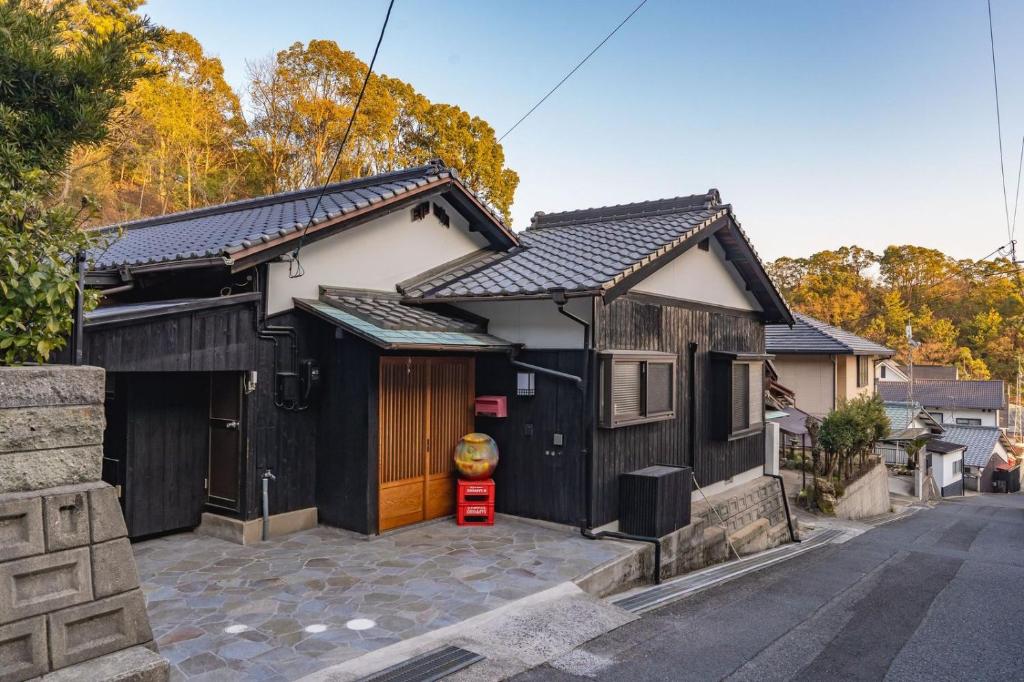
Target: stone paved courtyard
(288, 607)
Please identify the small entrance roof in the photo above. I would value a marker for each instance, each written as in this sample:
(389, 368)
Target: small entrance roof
(382, 319)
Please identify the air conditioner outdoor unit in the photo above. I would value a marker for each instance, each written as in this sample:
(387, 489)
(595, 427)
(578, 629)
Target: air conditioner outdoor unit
(655, 501)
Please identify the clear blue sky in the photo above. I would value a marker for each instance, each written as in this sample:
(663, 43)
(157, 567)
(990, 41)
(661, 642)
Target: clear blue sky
(823, 123)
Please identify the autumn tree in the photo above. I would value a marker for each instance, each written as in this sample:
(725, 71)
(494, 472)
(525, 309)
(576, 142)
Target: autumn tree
(59, 88)
(302, 99)
(832, 286)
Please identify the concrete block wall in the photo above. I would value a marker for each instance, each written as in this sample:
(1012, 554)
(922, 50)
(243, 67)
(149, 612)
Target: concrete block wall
(753, 519)
(867, 496)
(69, 590)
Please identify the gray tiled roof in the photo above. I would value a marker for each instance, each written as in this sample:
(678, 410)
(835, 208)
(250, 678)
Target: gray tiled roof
(382, 319)
(980, 441)
(943, 447)
(979, 395)
(813, 336)
(577, 250)
(228, 228)
(900, 414)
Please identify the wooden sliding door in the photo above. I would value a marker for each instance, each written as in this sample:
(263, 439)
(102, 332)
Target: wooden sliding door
(426, 406)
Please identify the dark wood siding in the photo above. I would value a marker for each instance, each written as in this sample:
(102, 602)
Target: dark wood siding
(647, 323)
(160, 442)
(285, 441)
(346, 485)
(215, 340)
(536, 478)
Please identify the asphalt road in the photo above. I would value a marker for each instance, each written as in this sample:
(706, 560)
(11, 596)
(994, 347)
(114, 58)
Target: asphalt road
(936, 596)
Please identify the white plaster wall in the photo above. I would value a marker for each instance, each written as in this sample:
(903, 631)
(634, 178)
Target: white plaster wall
(892, 372)
(988, 418)
(376, 255)
(703, 276)
(942, 468)
(810, 377)
(535, 323)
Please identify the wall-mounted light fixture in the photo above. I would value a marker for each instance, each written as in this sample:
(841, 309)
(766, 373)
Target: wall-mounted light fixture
(525, 383)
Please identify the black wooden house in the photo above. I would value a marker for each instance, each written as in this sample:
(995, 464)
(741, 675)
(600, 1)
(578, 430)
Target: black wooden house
(346, 359)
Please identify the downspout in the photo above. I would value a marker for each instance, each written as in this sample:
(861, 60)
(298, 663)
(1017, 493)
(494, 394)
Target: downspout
(835, 382)
(560, 299)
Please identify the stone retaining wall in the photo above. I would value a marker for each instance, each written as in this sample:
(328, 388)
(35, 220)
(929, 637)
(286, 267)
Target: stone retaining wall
(753, 519)
(69, 591)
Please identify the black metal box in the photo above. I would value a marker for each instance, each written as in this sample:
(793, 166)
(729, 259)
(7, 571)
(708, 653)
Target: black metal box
(655, 501)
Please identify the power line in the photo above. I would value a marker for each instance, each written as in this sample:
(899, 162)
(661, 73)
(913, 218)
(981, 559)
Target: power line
(1016, 196)
(574, 69)
(999, 123)
(298, 271)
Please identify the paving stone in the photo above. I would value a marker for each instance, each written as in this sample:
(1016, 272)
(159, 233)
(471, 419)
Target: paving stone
(21, 528)
(23, 649)
(408, 582)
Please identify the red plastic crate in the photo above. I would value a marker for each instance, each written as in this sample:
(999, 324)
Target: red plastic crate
(475, 515)
(475, 492)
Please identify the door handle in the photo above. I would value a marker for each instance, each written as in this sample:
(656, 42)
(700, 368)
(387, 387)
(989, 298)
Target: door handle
(232, 425)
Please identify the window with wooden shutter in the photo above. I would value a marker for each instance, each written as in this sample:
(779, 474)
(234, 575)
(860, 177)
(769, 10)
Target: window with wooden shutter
(737, 393)
(637, 387)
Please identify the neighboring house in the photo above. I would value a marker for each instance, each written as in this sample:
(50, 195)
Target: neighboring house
(987, 450)
(964, 403)
(931, 372)
(944, 462)
(824, 365)
(889, 370)
(908, 422)
(594, 343)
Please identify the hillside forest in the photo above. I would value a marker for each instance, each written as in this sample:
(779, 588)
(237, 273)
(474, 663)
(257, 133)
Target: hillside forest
(184, 138)
(962, 311)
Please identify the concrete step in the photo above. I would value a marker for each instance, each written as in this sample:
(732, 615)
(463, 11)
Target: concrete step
(645, 599)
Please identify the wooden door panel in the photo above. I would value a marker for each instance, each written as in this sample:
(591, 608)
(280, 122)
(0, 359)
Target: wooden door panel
(403, 440)
(225, 465)
(426, 406)
(451, 418)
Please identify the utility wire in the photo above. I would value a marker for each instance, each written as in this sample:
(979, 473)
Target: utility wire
(1016, 196)
(999, 123)
(298, 271)
(574, 70)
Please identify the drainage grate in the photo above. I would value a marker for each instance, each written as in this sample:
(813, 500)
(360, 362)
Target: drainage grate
(654, 597)
(427, 667)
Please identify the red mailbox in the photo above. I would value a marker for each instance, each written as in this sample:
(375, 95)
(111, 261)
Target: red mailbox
(492, 406)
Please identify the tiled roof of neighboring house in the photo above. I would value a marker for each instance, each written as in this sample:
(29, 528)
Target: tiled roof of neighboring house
(382, 319)
(943, 447)
(593, 250)
(793, 421)
(812, 336)
(979, 395)
(931, 372)
(226, 229)
(980, 441)
(901, 414)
